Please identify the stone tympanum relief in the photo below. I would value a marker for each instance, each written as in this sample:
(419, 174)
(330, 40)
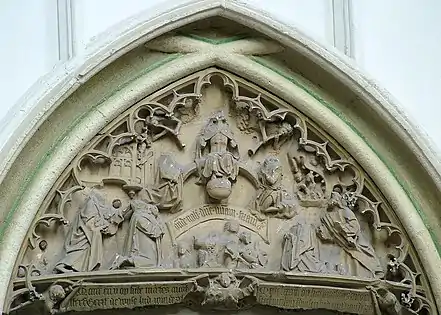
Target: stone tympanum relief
(215, 194)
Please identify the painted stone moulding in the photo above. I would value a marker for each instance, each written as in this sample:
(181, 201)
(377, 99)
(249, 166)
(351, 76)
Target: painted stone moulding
(214, 193)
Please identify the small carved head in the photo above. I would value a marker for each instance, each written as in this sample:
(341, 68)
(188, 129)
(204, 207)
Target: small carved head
(232, 226)
(224, 280)
(183, 248)
(217, 122)
(393, 266)
(57, 293)
(43, 245)
(218, 118)
(245, 237)
(152, 120)
(116, 203)
(310, 178)
(131, 194)
(271, 171)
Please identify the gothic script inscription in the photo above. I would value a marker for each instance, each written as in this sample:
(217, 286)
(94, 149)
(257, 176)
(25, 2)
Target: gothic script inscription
(190, 218)
(127, 295)
(290, 296)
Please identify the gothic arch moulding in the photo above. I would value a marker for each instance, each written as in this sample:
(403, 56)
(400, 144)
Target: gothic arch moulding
(219, 162)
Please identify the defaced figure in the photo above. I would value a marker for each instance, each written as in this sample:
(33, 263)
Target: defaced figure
(250, 255)
(207, 251)
(184, 255)
(272, 198)
(230, 243)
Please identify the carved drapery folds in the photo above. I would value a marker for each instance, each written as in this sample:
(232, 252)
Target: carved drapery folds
(230, 192)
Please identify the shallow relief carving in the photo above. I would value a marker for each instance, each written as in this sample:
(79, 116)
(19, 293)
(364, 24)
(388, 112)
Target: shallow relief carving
(230, 191)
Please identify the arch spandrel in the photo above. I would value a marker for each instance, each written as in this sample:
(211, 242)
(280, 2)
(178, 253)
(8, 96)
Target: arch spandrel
(207, 152)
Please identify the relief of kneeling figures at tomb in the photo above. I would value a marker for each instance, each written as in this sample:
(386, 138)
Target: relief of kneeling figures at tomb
(214, 194)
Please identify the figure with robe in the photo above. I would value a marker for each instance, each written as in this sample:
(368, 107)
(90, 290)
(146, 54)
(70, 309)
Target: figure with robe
(84, 240)
(217, 157)
(170, 184)
(300, 249)
(143, 243)
(230, 242)
(184, 256)
(250, 254)
(341, 227)
(272, 198)
(207, 251)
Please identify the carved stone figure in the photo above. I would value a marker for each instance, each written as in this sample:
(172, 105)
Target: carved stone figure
(143, 242)
(40, 263)
(170, 182)
(84, 241)
(184, 255)
(160, 123)
(277, 132)
(272, 199)
(310, 184)
(309, 249)
(217, 157)
(230, 249)
(310, 189)
(230, 242)
(207, 251)
(341, 226)
(300, 249)
(386, 301)
(250, 254)
(224, 291)
(55, 295)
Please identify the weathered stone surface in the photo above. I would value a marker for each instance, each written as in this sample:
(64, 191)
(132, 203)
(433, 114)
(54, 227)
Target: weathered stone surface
(289, 296)
(213, 177)
(108, 296)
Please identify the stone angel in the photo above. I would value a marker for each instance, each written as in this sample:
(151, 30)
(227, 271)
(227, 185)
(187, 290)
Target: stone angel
(224, 291)
(272, 198)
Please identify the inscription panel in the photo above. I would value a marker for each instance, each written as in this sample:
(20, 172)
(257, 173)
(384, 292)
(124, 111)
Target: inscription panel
(289, 296)
(190, 218)
(109, 296)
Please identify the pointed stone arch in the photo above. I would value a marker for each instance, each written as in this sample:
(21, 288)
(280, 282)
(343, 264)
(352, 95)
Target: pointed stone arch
(316, 82)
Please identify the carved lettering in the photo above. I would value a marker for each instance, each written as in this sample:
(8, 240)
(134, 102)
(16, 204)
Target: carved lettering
(104, 296)
(191, 218)
(302, 297)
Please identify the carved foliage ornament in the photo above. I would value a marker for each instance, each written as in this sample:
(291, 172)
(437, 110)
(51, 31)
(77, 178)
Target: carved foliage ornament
(215, 177)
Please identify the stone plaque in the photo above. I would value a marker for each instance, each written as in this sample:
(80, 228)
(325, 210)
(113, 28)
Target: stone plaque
(290, 296)
(191, 218)
(127, 295)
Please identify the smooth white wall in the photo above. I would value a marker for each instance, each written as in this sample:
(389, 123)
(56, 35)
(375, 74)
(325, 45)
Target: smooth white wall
(28, 32)
(93, 17)
(396, 42)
